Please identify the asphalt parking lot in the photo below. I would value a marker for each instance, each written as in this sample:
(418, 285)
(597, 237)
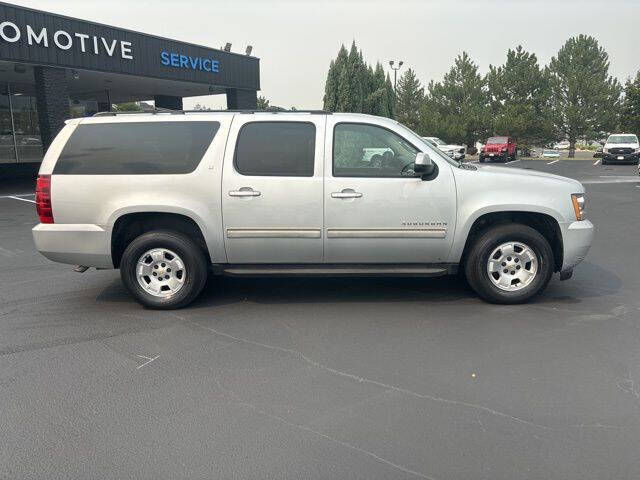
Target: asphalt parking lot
(325, 378)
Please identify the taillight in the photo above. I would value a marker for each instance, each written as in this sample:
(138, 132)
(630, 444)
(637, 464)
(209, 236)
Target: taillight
(43, 199)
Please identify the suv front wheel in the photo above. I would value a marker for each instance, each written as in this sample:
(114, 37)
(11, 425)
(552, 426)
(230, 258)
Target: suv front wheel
(509, 264)
(163, 269)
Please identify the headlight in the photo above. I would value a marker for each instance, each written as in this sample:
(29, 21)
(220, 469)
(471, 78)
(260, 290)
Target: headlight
(637, 150)
(578, 205)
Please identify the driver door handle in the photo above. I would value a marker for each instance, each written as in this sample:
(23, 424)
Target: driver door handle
(346, 193)
(244, 192)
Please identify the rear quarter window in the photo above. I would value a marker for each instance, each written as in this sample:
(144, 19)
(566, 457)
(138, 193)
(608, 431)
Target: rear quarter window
(136, 148)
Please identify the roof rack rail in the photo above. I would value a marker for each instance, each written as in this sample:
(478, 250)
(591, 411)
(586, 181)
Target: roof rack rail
(182, 112)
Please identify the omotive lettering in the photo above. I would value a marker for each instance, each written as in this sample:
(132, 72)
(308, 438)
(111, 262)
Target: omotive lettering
(11, 33)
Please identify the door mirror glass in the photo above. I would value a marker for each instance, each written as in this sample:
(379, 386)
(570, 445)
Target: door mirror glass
(423, 164)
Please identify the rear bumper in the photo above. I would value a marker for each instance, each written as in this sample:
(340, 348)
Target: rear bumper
(75, 244)
(576, 238)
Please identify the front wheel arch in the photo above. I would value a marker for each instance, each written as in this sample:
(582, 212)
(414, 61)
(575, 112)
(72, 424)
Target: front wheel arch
(545, 224)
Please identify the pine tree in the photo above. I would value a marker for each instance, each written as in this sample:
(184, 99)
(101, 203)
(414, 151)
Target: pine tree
(520, 96)
(263, 103)
(391, 97)
(354, 86)
(585, 97)
(457, 109)
(331, 86)
(409, 99)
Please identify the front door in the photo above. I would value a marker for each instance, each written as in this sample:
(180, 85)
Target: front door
(272, 189)
(376, 210)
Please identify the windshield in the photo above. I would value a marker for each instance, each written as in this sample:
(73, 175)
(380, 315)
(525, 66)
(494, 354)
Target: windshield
(437, 141)
(494, 140)
(622, 139)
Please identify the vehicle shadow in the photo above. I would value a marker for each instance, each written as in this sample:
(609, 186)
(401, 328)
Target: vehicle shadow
(590, 281)
(227, 290)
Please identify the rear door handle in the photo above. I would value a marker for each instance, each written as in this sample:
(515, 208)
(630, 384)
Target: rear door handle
(346, 193)
(244, 192)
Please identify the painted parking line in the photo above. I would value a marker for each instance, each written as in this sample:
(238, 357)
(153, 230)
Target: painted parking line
(612, 179)
(19, 198)
(512, 161)
(596, 163)
(555, 161)
(19, 195)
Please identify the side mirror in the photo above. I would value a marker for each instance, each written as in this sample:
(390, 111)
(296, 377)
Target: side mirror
(423, 164)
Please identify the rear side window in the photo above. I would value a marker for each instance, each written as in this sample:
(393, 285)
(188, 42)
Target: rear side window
(276, 149)
(142, 148)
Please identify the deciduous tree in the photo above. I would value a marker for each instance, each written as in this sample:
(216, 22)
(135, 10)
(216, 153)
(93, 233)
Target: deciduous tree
(630, 118)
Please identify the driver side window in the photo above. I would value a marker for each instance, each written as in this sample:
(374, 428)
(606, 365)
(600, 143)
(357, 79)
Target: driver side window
(361, 150)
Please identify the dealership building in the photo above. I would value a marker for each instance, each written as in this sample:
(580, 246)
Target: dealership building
(54, 67)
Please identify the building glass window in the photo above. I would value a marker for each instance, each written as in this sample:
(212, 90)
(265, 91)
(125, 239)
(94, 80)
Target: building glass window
(25, 122)
(7, 146)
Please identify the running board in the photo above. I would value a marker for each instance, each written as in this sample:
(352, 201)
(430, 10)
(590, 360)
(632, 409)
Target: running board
(335, 270)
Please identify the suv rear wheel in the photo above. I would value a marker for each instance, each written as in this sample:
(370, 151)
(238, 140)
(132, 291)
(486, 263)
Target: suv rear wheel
(509, 264)
(163, 269)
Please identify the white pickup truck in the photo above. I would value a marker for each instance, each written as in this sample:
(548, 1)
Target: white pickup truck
(165, 197)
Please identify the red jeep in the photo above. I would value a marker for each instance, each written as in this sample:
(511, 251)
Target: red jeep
(499, 148)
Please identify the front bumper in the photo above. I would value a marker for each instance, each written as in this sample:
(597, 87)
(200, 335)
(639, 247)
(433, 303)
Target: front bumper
(75, 244)
(576, 239)
(494, 156)
(618, 157)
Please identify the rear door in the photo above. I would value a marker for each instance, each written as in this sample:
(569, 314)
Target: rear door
(272, 189)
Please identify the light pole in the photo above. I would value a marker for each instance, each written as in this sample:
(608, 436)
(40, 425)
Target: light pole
(395, 71)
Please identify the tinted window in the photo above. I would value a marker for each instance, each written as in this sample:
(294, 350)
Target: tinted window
(276, 148)
(498, 140)
(136, 148)
(361, 150)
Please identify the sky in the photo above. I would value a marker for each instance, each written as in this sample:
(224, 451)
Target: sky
(296, 40)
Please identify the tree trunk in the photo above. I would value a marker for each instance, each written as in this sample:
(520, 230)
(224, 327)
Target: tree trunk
(572, 147)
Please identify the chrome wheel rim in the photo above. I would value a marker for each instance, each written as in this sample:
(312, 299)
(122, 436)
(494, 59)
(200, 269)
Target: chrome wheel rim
(512, 266)
(160, 272)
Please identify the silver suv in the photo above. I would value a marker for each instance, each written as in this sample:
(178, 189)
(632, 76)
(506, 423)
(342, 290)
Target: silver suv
(165, 196)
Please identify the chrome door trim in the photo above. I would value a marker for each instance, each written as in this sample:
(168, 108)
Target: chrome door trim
(273, 233)
(386, 233)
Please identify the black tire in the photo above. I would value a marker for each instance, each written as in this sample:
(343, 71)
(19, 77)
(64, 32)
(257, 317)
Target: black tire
(192, 256)
(476, 263)
(481, 159)
(605, 162)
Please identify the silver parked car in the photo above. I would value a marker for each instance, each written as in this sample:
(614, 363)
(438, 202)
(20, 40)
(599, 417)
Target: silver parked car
(164, 196)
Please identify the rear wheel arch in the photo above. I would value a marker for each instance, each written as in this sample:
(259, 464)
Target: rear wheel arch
(545, 224)
(131, 225)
